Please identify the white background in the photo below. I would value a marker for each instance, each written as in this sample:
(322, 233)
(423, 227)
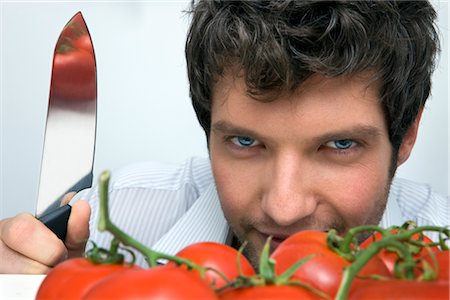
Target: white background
(144, 111)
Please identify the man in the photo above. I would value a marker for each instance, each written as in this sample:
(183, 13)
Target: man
(308, 109)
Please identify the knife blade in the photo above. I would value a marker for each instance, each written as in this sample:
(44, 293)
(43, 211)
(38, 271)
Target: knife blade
(70, 132)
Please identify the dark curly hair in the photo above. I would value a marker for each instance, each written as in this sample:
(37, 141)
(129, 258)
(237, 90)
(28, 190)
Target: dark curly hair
(279, 44)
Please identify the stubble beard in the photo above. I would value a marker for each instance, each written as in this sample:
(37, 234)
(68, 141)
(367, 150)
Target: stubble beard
(253, 255)
(251, 252)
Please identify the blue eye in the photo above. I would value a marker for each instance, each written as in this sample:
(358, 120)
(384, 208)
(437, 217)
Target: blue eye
(341, 144)
(244, 141)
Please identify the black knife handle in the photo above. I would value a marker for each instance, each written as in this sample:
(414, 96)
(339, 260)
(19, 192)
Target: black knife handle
(56, 220)
(83, 183)
(55, 216)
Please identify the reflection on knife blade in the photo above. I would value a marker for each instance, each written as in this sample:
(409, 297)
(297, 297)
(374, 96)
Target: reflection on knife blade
(69, 142)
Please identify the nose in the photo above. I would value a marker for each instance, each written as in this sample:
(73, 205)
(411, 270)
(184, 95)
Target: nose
(289, 190)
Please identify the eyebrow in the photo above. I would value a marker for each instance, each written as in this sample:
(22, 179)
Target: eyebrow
(228, 128)
(355, 131)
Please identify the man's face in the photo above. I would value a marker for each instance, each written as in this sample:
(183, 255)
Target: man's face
(317, 159)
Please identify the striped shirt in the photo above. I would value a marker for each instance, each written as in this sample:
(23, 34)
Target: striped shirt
(169, 206)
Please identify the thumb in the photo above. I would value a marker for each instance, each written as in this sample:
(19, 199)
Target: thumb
(78, 228)
(67, 197)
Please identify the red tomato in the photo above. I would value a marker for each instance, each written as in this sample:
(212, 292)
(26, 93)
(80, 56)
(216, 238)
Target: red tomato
(83, 42)
(390, 257)
(73, 75)
(323, 271)
(270, 292)
(74, 277)
(166, 282)
(218, 256)
(305, 235)
(401, 290)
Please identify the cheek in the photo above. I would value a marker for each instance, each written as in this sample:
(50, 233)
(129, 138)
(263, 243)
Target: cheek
(360, 192)
(236, 185)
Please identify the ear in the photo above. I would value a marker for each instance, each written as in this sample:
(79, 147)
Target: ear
(409, 140)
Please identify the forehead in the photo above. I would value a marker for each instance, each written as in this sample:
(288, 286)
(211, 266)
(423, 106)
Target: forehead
(233, 81)
(317, 104)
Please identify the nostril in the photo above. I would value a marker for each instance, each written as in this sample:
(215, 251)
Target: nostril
(288, 208)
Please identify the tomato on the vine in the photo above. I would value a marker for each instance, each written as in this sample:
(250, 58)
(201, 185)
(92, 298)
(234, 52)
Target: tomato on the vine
(217, 256)
(75, 277)
(390, 257)
(325, 269)
(165, 282)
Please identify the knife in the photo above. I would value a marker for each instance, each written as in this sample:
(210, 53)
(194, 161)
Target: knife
(69, 142)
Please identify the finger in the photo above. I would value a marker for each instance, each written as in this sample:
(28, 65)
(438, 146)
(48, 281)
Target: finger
(19, 264)
(29, 237)
(67, 197)
(78, 228)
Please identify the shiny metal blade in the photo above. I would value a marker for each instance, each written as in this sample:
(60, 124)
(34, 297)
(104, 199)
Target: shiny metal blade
(69, 143)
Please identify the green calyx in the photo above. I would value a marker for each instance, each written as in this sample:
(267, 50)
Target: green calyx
(406, 241)
(103, 256)
(267, 275)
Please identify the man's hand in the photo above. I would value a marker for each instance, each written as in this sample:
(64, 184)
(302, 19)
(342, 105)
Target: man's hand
(28, 247)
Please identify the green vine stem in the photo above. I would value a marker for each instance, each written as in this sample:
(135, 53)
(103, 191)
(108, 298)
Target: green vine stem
(105, 224)
(409, 233)
(391, 240)
(364, 256)
(345, 246)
